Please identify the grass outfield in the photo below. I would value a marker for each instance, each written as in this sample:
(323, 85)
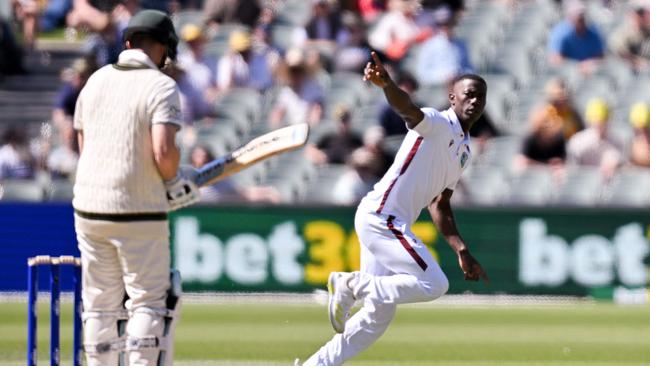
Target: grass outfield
(263, 334)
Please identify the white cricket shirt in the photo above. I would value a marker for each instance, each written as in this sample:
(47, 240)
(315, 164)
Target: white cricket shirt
(115, 110)
(431, 158)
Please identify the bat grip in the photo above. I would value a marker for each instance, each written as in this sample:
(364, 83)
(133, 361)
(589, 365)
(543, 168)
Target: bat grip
(210, 171)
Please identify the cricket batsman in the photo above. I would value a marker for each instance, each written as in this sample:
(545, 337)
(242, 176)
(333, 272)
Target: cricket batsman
(396, 267)
(127, 117)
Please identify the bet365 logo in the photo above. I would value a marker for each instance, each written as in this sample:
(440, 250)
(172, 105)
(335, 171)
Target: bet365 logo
(246, 258)
(590, 260)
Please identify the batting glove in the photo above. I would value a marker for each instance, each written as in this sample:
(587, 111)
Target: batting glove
(181, 190)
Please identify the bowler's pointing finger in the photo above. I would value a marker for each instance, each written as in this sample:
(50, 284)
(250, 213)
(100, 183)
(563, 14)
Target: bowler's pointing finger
(376, 59)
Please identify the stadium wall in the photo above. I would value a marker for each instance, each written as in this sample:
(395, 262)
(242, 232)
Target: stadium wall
(581, 252)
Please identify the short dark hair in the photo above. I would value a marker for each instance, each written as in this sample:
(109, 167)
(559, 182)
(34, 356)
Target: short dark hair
(140, 39)
(474, 77)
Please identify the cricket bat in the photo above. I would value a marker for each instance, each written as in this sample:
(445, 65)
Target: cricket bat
(260, 148)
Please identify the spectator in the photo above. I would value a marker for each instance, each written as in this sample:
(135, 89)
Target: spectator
(218, 12)
(75, 78)
(261, 33)
(482, 130)
(373, 142)
(27, 13)
(631, 40)
(432, 69)
(200, 69)
(226, 190)
(353, 51)
(392, 123)
(640, 149)
(62, 161)
(194, 107)
(594, 146)
(243, 65)
(551, 125)
(325, 25)
(107, 26)
(397, 30)
(358, 179)
(455, 5)
(54, 14)
(16, 161)
(575, 39)
(336, 147)
(370, 10)
(11, 57)
(301, 98)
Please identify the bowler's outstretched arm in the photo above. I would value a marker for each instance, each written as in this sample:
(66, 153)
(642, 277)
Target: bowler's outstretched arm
(398, 99)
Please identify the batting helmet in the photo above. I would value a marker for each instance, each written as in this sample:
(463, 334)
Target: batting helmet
(157, 25)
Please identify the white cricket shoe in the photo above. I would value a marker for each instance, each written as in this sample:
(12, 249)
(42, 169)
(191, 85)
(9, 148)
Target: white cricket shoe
(340, 301)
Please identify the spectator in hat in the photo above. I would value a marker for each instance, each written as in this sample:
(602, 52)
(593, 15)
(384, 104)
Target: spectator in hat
(594, 146)
(432, 69)
(640, 147)
(575, 39)
(243, 65)
(550, 126)
(200, 70)
(631, 40)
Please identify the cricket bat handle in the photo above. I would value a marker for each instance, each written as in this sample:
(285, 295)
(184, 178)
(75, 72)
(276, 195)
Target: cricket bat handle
(212, 171)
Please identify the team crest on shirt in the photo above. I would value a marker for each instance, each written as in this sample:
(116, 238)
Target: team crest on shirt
(174, 111)
(463, 159)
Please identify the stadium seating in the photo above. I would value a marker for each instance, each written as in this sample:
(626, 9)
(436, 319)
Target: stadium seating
(321, 191)
(20, 190)
(630, 188)
(59, 190)
(507, 43)
(582, 186)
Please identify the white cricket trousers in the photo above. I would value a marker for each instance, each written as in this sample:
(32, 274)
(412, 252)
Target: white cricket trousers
(119, 257)
(396, 268)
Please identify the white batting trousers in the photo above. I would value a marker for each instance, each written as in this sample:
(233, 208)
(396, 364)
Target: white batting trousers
(119, 258)
(396, 268)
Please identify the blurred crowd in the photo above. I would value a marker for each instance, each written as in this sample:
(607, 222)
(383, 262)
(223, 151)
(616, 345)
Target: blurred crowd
(232, 44)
